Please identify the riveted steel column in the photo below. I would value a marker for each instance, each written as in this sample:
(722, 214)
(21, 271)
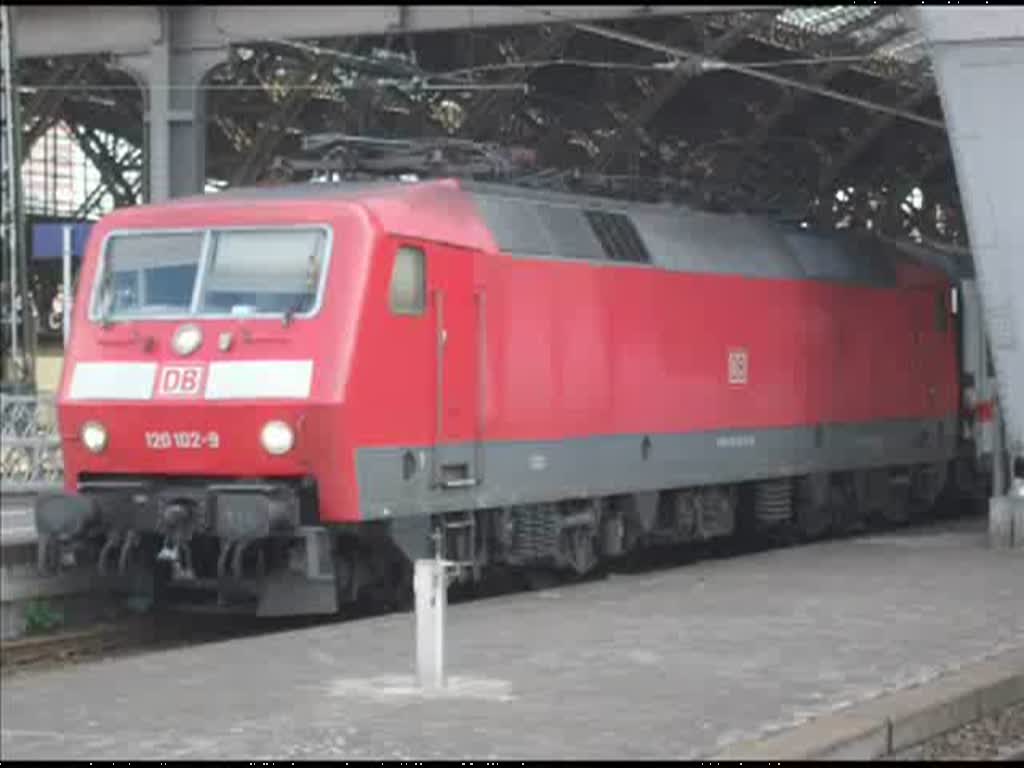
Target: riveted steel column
(978, 56)
(66, 272)
(175, 111)
(1016, 500)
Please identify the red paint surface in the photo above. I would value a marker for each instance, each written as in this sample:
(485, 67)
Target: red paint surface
(985, 411)
(536, 350)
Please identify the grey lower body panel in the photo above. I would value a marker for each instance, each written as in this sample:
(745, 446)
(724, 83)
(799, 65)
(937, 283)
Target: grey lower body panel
(523, 472)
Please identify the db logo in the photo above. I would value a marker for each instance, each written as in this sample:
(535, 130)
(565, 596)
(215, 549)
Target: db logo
(180, 381)
(738, 366)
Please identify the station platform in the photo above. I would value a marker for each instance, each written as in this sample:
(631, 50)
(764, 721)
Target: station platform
(676, 663)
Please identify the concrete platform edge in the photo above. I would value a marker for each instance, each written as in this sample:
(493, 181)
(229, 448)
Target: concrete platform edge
(876, 728)
(75, 595)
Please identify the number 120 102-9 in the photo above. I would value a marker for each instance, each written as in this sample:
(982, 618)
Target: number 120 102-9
(161, 441)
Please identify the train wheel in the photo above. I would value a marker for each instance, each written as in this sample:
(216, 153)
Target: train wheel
(895, 505)
(580, 549)
(813, 522)
(814, 512)
(402, 595)
(539, 579)
(958, 494)
(932, 489)
(850, 504)
(883, 496)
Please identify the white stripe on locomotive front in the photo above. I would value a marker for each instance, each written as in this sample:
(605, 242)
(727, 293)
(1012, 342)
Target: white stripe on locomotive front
(255, 379)
(112, 381)
(236, 380)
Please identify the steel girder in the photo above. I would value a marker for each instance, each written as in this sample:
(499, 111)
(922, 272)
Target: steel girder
(69, 30)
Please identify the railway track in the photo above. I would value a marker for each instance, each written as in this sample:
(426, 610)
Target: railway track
(164, 630)
(66, 647)
(137, 634)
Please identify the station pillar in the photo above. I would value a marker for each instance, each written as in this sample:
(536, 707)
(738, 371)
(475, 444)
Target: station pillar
(978, 57)
(171, 79)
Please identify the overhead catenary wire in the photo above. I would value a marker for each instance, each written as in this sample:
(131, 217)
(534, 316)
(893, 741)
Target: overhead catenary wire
(424, 81)
(324, 86)
(658, 66)
(396, 71)
(709, 63)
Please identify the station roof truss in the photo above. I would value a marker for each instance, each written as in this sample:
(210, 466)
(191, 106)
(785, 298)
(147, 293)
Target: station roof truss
(828, 115)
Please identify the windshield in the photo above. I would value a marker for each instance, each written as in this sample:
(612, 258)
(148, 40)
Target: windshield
(211, 273)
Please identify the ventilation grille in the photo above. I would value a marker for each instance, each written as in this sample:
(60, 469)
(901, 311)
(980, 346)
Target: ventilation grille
(570, 232)
(618, 237)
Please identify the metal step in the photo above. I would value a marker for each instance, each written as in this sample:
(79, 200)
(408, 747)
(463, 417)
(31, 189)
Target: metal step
(466, 482)
(466, 523)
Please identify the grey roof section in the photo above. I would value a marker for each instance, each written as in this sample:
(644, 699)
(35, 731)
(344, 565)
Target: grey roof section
(509, 191)
(842, 258)
(516, 225)
(683, 239)
(693, 241)
(310, 191)
(570, 232)
(541, 224)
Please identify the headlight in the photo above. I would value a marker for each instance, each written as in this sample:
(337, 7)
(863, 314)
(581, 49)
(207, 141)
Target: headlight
(94, 436)
(277, 438)
(186, 340)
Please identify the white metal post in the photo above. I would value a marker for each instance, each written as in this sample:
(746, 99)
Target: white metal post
(1000, 505)
(1016, 497)
(66, 311)
(430, 584)
(998, 446)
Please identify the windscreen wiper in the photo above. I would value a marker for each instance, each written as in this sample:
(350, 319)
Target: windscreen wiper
(108, 303)
(290, 312)
(311, 270)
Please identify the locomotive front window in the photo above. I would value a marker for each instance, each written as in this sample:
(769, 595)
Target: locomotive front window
(224, 272)
(149, 275)
(263, 272)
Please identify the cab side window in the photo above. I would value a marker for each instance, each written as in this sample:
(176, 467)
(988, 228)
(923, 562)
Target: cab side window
(408, 282)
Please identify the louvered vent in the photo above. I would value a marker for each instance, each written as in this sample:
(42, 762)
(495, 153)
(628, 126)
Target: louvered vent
(618, 237)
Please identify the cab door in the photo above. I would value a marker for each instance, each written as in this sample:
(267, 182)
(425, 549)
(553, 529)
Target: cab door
(456, 308)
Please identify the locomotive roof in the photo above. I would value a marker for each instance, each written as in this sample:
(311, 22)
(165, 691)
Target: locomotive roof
(543, 224)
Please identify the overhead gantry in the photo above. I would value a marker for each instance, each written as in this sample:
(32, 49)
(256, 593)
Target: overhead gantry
(169, 50)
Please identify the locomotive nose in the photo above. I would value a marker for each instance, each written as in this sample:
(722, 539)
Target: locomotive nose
(193, 438)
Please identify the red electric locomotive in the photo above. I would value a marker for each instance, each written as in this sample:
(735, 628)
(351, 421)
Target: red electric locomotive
(279, 397)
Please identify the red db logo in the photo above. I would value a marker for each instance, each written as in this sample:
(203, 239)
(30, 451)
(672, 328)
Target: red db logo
(738, 366)
(180, 381)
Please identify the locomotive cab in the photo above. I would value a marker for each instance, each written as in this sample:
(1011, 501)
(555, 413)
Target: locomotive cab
(203, 366)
